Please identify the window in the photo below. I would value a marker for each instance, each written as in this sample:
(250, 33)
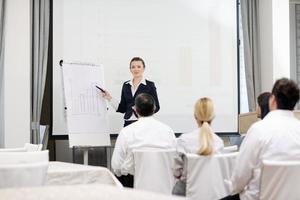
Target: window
(244, 106)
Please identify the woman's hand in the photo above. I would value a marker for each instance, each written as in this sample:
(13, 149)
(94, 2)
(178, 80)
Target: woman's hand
(106, 95)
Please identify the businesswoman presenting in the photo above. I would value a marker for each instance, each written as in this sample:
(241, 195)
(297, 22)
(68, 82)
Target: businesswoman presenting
(138, 84)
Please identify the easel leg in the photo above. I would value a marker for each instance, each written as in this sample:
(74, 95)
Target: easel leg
(108, 157)
(85, 156)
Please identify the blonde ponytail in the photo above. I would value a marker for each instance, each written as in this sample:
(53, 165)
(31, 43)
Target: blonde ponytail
(206, 140)
(204, 114)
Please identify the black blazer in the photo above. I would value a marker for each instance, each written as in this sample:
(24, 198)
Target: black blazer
(127, 100)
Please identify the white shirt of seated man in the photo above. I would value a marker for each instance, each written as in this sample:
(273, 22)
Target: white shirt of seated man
(146, 133)
(275, 138)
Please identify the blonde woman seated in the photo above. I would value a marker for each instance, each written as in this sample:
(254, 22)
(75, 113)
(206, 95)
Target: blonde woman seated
(202, 141)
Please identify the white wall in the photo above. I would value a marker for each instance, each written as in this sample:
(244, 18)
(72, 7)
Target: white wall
(275, 41)
(293, 56)
(281, 38)
(266, 41)
(274, 38)
(189, 53)
(17, 73)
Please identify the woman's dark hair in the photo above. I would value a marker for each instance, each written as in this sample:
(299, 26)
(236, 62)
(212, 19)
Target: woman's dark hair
(263, 103)
(286, 93)
(137, 59)
(144, 105)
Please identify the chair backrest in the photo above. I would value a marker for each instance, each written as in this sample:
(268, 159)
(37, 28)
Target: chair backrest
(206, 175)
(246, 120)
(33, 147)
(22, 169)
(230, 149)
(280, 180)
(154, 170)
(22, 149)
(11, 158)
(27, 147)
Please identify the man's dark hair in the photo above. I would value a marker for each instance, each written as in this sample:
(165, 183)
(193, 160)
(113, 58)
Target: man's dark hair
(286, 93)
(144, 105)
(263, 103)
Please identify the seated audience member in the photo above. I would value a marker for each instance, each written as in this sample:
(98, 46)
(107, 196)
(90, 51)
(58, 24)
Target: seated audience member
(274, 138)
(202, 141)
(147, 132)
(262, 109)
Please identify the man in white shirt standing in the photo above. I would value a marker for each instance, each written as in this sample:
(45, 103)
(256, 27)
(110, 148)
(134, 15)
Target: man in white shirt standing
(276, 137)
(147, 132)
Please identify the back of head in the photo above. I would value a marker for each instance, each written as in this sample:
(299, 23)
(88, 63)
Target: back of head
(204, 114)
(286, 93)
(263, 103)
(144, 105)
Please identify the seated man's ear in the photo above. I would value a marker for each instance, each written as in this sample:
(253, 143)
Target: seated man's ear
(134, 111)
(272, 103)
(133, 108)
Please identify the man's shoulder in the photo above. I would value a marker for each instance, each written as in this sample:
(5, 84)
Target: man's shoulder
(260, 131)
(294, 120)
(162, 125)
(261, 124)
(271, 123)
(127, 129)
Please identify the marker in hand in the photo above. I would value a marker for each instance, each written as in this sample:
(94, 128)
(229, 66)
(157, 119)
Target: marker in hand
(104, 94)
(100, 89)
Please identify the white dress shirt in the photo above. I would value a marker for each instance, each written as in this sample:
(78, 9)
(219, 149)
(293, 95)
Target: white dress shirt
(276, 138)
(147, 132)
(190, 143)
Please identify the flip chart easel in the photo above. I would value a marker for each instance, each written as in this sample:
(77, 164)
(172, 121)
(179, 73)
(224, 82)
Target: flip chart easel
(85, 109)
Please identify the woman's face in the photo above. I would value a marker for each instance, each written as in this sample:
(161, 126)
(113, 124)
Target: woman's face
(137, 69)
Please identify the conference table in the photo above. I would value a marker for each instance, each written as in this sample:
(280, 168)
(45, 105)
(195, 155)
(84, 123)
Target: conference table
(62, 173)
(70, 181)
(80, 192)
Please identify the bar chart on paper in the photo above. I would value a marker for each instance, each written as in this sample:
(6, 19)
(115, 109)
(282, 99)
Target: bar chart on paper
(87, 101)
(85, 108)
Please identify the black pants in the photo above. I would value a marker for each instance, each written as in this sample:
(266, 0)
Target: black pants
(234, 197)
(127, 181)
